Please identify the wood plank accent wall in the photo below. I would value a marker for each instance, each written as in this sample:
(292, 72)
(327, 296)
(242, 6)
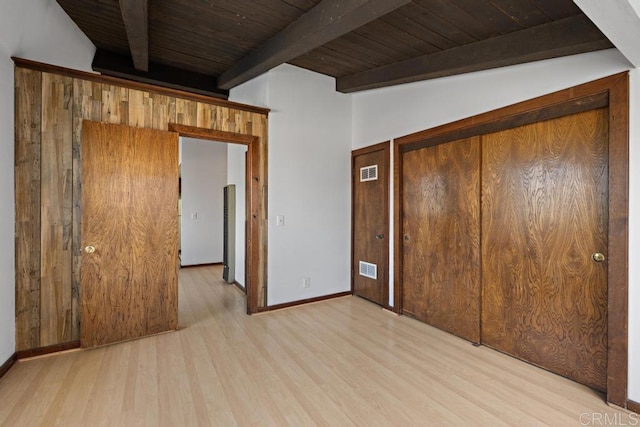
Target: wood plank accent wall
(51, 103)
(55, 209)
(28, 99)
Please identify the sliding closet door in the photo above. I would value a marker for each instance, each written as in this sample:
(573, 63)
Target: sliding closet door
(544, 244)
(441, 236)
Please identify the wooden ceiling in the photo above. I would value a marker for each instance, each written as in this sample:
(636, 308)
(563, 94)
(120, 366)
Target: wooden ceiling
(210, 46)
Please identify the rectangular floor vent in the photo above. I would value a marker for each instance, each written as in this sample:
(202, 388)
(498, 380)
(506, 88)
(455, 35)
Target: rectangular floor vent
(369, 173)
(368, 270)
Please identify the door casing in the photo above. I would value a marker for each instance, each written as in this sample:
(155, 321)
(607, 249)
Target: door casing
(253, 250)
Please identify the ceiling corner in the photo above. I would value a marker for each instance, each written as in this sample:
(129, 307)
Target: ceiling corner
(619, 20)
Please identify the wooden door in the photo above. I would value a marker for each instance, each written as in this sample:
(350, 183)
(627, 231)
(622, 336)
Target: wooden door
(544, 213)
(441, 236)
(130, 216)
(371, 224)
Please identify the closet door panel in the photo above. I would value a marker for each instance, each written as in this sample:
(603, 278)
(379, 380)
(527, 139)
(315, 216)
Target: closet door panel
(544, 217)
(441, 236)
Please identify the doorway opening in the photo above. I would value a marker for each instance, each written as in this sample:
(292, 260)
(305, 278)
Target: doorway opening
(206, 169)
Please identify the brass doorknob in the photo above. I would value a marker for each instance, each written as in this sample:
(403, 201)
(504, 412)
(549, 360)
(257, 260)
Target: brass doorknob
(598, 257)
(89, 249)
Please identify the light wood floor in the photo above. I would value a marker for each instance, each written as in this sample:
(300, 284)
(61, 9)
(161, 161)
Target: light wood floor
(338, 363)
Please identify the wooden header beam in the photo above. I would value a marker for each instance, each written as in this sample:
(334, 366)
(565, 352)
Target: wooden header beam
(568, 36)
(112, 64)
(135, 16)
(327, 21)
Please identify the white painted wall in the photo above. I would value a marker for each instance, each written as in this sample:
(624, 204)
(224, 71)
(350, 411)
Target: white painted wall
(619, 20)
(254, 92)
(389, 113)
(309, 170)
(236, 169)
(204, 175)
(309, 176)
(41, 31)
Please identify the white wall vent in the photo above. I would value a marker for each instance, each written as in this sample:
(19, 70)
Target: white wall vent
(369, 173)
(368, 270)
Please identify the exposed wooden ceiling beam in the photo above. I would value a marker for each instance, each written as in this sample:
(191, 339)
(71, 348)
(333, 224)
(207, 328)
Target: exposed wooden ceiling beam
(559, 38)
(115, 65)
(136, 22)
(327, 20)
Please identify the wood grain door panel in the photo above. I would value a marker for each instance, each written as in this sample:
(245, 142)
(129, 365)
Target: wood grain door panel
(441, 232)
(544, 213)
(370, 226)
(129, 214)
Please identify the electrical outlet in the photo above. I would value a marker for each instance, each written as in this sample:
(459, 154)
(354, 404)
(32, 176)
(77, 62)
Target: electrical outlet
(306, 282)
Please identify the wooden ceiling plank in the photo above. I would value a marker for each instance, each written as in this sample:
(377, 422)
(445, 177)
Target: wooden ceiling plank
(212, 24)
(374, 45)
(114, 65)
(81, 8)
(436, 22)
(255, 21)
(328, 55)
(309, 63)
(99, 21)
(103, 16)
(358, 50)
(392, 37)
(560, 38)
(558, 9)
(225, 50)
(328, 61)
(301, 4)
(273, 13)
(220, 31)
(409, 21)
(468, 28)
(490, 21)
(197, 32)
(406, 35)
(523, 12)
(178, 58)
(328, 20)
(135, 15)
(354, 53)
(225, 54)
